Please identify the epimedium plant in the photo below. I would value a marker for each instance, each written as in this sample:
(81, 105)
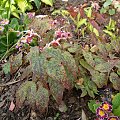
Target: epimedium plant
(51, 71)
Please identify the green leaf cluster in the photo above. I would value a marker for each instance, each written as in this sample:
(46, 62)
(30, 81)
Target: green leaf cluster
(93, 105)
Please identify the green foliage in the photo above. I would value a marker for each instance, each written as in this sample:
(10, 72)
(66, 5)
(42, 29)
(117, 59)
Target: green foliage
(27, 91)
(87, 87)
(116, 101)
(6, 68)
(42, 98)
(37, 3)
(110, 6)
(6, 42)
(10, 7)
(48, 2)
(107, 3)
(93, 105)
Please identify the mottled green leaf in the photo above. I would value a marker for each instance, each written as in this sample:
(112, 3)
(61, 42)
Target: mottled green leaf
(56, 89)
(103, 67)
(107, 3)
(115, 79)
(70, 66)
(38, 67)
(99, 78)
(6, 67)
(53, 53)
(88, 57)
(26, 92)
(42, 98)
(86, 65)
(55, 70)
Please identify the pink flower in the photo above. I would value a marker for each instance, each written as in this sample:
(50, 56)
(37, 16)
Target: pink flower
(31, 15)
(69, 35)
(55, 43)
(106, 106)
(1, 28)
(101, 113)
(54, 23)
(29, 39)
(58, 34)
(62, 34)
(113, 118)
(4, 22)
(31, 33)
(95, 5)
(23, 39)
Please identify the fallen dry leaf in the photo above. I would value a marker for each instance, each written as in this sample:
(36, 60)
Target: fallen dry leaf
(12, 106)
(83, 116)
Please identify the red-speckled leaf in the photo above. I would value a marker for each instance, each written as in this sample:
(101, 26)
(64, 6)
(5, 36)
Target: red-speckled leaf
(89, 58)
(42, 98)
(26, 92)
(72, 11)
(56, 71)
(99, 78)
(70, 67)
(56, 89)
(37, 63)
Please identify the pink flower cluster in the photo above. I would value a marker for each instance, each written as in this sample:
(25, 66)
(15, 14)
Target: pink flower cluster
(27, 38)
(103, 112)
(62, 34)
(31, 15)
(3, 22)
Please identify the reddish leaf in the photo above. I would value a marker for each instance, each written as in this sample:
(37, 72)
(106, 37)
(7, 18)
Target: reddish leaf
(95, 25)
(72, 11)
(99, 18)
(82, 14)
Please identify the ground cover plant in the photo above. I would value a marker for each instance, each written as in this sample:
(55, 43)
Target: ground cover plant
(46, 58)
